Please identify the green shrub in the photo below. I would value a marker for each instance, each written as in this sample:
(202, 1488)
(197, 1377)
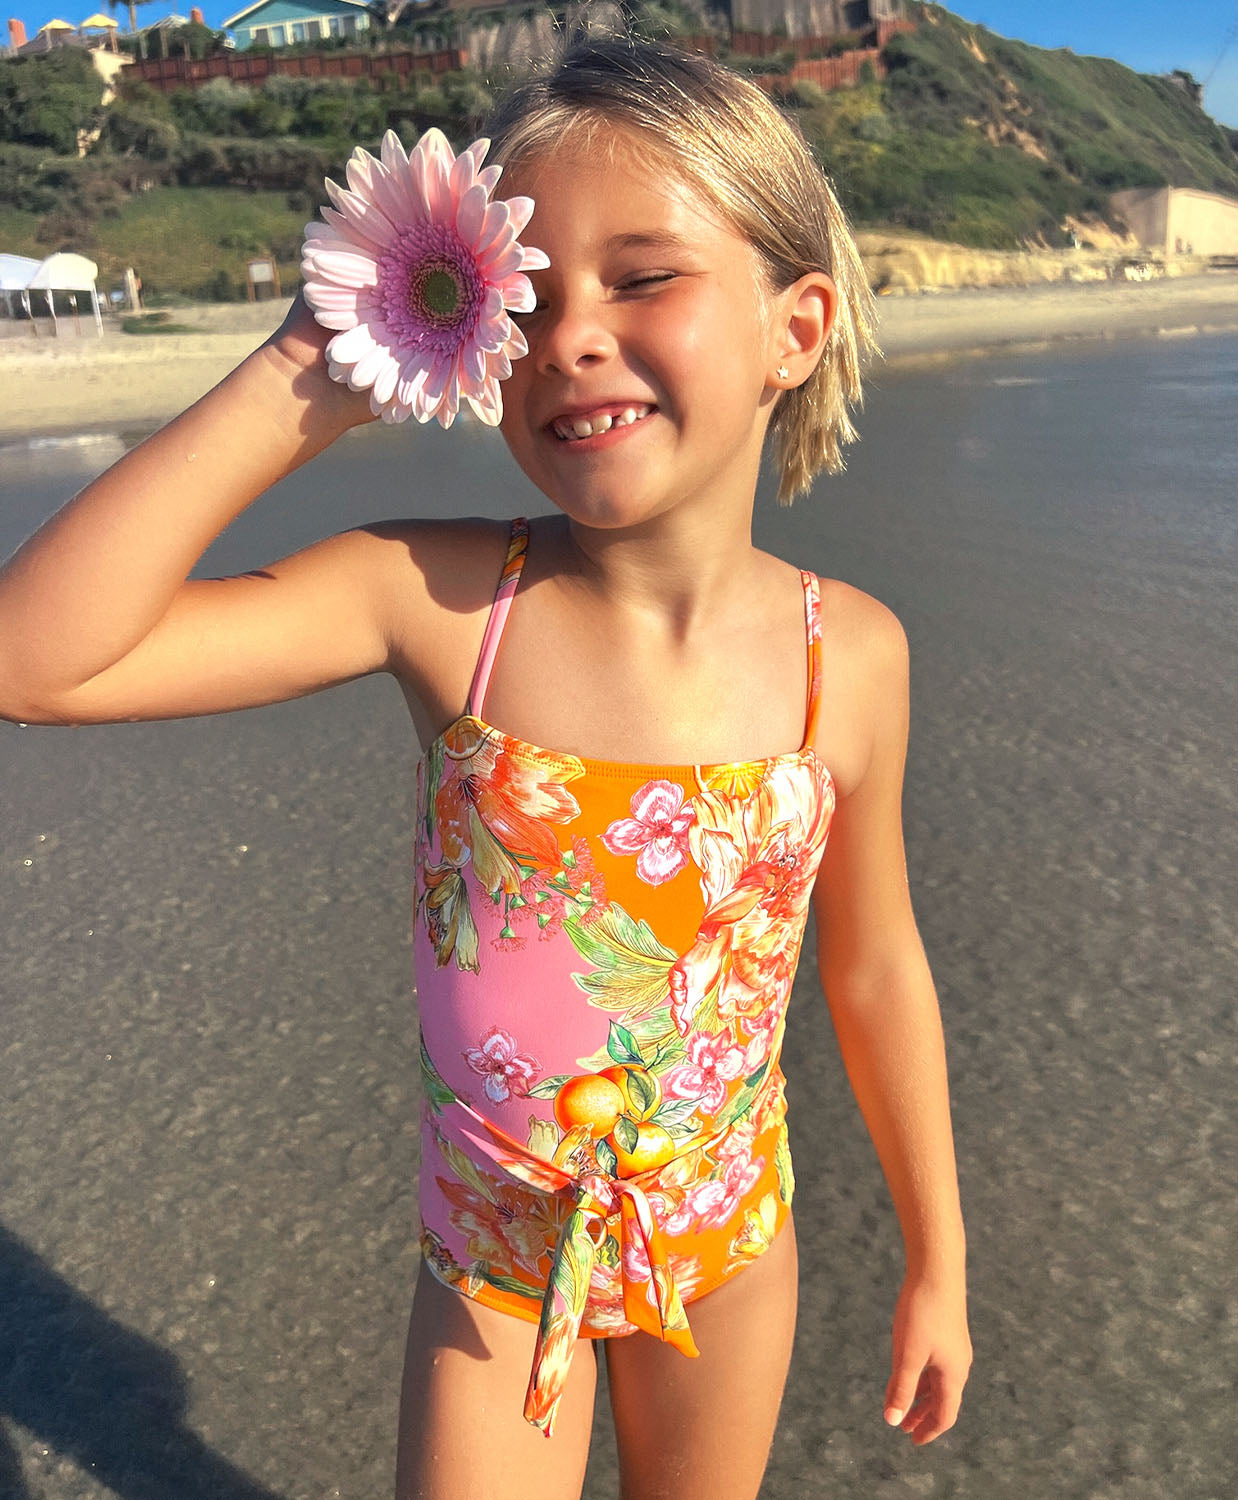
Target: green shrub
(46, 100)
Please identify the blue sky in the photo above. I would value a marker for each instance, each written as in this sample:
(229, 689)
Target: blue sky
(1150, 35)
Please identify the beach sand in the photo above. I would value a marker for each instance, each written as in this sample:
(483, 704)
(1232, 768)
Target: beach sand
(78, 381)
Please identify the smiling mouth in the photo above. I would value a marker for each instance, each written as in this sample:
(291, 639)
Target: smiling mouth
(577, 429)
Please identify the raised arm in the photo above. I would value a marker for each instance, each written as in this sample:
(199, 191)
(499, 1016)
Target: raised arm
(885, 1013)
(98, 621)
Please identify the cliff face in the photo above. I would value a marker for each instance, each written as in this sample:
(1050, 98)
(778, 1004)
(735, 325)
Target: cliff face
(805, 18)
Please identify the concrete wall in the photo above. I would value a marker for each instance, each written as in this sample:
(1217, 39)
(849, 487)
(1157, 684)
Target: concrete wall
(1180, 221)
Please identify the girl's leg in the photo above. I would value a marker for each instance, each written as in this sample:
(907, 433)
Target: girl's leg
(462, 1432)
(701, 1429)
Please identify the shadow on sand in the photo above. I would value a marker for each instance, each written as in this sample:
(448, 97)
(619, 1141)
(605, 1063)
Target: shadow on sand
(97, 1393)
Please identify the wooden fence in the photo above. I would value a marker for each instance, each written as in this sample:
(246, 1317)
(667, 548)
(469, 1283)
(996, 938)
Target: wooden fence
(168, 73)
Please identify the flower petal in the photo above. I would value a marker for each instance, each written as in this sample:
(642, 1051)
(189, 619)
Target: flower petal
(626, 836)
(657, 801)
(394, 157)
(347, 348)
(489, 408)
(518, 293)
(659, 860)
(521, 211)
(462, 176)
(355, 270)
(534, 259)
(471, 214)
(385, 381)
(506, 262)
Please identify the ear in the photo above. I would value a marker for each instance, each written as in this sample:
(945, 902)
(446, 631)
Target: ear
(803, 315)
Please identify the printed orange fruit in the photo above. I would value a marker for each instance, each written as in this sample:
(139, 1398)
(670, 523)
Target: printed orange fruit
(654, 1148)
(642, 1093)
(591, 1100)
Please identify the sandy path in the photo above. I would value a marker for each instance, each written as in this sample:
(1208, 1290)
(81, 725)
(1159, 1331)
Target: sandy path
(80, 381)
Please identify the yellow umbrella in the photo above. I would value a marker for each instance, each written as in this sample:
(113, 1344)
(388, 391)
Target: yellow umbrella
(98, 19)
(55, 26)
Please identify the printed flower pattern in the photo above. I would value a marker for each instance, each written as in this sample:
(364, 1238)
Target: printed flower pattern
(505, 1070)
(496, 810)
(657, 832)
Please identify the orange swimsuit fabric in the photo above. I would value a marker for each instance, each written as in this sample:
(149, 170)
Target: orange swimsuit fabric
(604, 955)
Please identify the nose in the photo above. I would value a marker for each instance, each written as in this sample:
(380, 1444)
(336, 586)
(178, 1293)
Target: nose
(571, 334)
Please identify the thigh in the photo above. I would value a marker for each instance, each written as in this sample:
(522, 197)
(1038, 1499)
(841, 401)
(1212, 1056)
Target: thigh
(463, 1435)
(701, 1429)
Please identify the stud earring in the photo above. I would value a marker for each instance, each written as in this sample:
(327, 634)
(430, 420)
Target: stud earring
(783, 372)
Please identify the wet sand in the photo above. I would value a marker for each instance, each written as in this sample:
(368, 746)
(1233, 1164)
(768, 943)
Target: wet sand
(207, 1186)
(75, 381)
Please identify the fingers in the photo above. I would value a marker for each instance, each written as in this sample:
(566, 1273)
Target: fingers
(931, 1408)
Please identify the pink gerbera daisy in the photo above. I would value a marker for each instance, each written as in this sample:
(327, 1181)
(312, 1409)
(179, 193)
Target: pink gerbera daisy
(418, 269)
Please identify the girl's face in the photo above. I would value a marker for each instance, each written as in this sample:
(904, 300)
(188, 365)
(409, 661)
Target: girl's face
(649, 309)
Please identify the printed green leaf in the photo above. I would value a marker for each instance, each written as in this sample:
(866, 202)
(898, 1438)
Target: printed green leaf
(655, 1038)
(673, 1116)
(549, 1086)
(464, 1168)
(782, 1164)
(608, 1252)
(625, 1133)
(753, 1080)
(438, 1093)
(622, 1045)
(434, 774)
(643, 1090)
(607, 1159)
(631, 966)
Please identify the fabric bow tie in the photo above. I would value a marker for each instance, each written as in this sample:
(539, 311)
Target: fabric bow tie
(654, 1305)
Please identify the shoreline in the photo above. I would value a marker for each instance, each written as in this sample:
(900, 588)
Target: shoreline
(85, 384)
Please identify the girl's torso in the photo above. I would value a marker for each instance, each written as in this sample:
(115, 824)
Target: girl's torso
(604, 955)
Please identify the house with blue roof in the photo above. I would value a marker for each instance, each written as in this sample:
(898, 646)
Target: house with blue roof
(280, 23)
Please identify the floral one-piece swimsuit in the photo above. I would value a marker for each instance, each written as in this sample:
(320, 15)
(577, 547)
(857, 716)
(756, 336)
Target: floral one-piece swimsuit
(604, 955)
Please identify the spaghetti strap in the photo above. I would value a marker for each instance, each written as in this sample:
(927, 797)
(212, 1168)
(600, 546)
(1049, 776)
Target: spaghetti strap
(812, 622)
(509, 580)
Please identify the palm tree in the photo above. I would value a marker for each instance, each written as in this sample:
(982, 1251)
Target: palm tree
(132, 7)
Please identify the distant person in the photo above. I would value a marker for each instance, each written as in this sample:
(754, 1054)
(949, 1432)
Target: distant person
(606, 931)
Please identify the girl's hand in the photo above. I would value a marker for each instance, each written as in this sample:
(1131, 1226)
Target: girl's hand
(932, 1354)
(300, 344)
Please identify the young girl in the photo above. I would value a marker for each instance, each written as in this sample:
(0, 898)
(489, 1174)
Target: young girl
(607, 929)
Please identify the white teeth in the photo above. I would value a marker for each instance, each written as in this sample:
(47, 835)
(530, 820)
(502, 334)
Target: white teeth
(582, 427)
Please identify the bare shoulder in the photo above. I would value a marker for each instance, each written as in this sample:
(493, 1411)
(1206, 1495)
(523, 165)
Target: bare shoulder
(859, 621)
(438, 565)
(436, 581)
(865, 687)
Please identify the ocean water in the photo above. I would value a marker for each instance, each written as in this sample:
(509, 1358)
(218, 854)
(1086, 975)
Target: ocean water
(208, 1183)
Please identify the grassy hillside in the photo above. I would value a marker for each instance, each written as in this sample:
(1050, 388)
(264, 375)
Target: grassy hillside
(991, 142)
(174, 234)
(972, 138)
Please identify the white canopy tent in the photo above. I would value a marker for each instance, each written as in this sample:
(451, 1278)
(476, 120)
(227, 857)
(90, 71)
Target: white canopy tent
(62, 272)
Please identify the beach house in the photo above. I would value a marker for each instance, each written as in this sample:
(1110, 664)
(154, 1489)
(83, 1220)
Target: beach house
(280, 23)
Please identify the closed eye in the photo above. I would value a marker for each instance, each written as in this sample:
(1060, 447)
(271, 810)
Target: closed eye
(627, 286)
(648, 280)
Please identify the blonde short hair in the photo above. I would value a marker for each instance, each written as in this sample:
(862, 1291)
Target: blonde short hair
(728, 138)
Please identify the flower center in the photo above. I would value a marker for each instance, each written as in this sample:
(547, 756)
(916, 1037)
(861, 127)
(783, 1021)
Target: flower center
(430, 289)
(438, 294)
